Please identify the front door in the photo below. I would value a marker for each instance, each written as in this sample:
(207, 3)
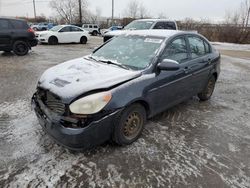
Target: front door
(172, 87)
(64, 35)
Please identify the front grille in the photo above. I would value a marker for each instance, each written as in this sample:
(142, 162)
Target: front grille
(51, 102)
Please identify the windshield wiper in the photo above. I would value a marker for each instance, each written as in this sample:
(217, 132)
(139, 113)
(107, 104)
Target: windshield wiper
(114, 63)
(91, 57)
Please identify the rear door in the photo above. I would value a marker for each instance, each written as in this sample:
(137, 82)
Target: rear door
(5, 33)
(200, 63)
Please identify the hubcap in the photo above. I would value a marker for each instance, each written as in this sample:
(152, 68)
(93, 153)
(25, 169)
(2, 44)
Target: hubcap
(21, 48)
(132, 125)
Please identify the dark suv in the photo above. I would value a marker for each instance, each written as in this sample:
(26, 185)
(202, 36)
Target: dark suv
(16, 35)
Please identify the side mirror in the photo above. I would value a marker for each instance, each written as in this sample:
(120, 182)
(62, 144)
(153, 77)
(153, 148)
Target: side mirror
(168, 65)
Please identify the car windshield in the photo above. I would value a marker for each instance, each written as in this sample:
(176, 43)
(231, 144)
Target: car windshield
(139, 25)
(56, 28)
(134, 52)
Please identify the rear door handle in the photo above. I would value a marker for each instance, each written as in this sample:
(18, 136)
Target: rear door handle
(186, 70)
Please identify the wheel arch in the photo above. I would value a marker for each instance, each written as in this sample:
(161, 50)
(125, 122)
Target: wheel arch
(142, 102)
(215, 74)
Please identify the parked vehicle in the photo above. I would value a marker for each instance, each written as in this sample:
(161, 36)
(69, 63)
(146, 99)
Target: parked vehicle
(93, 29)
(143, 24)
(63, 34)
(42, 26)
(111, 93)
(112, 28)
(16, 36)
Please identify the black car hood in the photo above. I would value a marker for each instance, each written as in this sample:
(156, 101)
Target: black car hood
(76, 77)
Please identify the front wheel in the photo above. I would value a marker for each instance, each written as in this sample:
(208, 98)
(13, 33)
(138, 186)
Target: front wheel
(20, 48)
(130, 125)
(208, 90)
(53, 41)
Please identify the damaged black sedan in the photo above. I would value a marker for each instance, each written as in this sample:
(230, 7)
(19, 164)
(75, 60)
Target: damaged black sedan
(110, 94)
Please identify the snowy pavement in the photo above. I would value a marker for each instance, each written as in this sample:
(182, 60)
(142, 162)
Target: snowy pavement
(195, 144)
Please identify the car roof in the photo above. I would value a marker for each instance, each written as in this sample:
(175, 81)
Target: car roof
(69, 25)
(155, 32)
(7, 18)
(155, 20)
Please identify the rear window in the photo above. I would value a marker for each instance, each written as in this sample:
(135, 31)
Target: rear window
(18, 24)
(165, 25)
(4, 24)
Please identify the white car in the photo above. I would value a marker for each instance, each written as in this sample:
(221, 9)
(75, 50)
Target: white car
(63, 34)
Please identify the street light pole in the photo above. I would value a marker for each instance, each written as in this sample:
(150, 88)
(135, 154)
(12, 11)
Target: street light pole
(80, 11)
(34, 6)
(112, 12)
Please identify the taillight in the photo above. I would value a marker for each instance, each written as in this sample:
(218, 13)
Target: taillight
(30, 30)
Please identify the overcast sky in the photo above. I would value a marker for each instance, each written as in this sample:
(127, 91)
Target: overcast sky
(174, 9)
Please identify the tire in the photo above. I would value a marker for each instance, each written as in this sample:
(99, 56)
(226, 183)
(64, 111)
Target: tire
(20, 48)
(94, 33)
(208, 90)
(53, 40)
(129, 125)
(83, 40)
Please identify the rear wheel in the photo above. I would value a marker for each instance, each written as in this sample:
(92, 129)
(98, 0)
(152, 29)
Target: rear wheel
(20, 48)
(53, 41)
(208, 90)
(83, 40)
(130, 125)
(94, 33)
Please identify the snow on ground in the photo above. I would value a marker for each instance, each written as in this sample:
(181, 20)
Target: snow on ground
(231, 46)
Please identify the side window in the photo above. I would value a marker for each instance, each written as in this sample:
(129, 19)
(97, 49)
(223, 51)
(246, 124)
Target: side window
(95, 26)
(197, 47)
(207, 47)
(75, 29)
(159, 25)
(90, 26)
(4, 25)
(17, 24)
(85, 26)
(65, 29)
(170, 25)
(176, 50)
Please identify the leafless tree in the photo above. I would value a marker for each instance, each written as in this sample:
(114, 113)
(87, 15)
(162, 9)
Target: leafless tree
(68, 10)
(162, 15)
(136, 10)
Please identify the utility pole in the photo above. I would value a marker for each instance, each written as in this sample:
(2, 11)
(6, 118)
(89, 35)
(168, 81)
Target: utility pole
(34, 6)
(112, 12)
(80, 11)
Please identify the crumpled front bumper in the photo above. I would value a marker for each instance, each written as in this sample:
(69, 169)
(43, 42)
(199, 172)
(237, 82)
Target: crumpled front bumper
(96, 133)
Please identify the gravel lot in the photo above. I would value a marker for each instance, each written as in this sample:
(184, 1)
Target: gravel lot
(195, 144)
